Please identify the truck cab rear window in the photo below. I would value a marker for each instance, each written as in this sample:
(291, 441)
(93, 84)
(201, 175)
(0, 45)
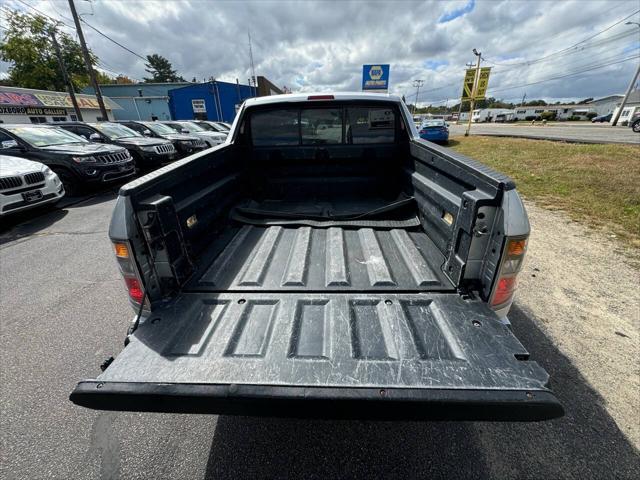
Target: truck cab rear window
(323, 126)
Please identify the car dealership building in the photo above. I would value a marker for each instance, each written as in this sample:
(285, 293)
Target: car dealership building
(25, 105)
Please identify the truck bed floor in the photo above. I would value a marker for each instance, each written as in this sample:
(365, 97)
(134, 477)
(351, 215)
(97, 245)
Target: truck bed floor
(308, 259)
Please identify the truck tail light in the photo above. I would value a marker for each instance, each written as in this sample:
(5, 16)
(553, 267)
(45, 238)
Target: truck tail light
(129, 271)
(320, 97)
(510, 265)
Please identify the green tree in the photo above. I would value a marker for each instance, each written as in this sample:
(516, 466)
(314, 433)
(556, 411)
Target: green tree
(27, 46)
(161, 70)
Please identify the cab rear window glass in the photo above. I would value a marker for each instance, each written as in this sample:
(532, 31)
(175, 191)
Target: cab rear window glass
(370, 125)
(275, 127)
(324, 126)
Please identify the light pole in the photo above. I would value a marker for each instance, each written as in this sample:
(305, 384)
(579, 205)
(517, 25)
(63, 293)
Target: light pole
(616, 117)
(474, 91)
(417, 84)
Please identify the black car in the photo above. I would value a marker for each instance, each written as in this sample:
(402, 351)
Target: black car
(147, 153)
(602, 118)
(184, 144)
(76, 161)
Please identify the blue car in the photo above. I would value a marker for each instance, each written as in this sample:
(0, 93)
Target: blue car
(436, 131)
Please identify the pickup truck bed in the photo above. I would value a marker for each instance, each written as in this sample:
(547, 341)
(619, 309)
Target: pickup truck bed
(307, 259)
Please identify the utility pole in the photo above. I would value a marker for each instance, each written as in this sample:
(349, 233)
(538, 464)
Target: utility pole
(474, 91)
(87, 61)
(65, 74)
(523, 99)
(417, 84)
(253, 69)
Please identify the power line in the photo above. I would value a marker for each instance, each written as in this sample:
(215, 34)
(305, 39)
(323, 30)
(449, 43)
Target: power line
(529, 62)
(112, 40)
(595, 67)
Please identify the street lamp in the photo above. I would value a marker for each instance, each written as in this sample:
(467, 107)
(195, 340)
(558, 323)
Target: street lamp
(417, 84)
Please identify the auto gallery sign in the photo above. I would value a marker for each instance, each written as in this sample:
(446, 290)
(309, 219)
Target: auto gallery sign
(52, 99)
(15, 110)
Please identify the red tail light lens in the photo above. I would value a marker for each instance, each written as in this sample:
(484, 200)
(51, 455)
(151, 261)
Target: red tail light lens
(511, 264)
(320, 97)
(504, 290)
(135, 290)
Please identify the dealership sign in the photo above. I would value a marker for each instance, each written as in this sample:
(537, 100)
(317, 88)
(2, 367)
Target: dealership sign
(52, 99)
(14, 110)
(375, 77)
(469, 80)
(198, 105)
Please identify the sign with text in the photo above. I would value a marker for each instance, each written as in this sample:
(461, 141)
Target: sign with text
(375, 77)
(15, 110)
(483, 83)
(198, 105)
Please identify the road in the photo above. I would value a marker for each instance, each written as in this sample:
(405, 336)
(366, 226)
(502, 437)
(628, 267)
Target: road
(64, 310)
(574, 132)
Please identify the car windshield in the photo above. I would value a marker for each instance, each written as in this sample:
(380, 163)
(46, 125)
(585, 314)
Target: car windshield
(433, 123)
(223, 126)
(115, 131)
(207, 126)
(192, 127)
(159, 128)
(44, 136)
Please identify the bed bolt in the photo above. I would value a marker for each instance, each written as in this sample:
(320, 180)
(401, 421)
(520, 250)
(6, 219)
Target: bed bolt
(242, 301)
(476, 323)
(388, 302)
(529, 395)
(383, 392)
(99, 385)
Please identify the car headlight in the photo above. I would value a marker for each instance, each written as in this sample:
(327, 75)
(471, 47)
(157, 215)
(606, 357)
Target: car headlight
(86, 159)
(47, 171)
(148, 149)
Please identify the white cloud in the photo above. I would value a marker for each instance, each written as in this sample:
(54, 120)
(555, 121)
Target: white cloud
(322, 45)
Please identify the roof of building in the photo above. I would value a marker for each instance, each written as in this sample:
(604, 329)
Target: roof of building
(634, 98)
(606, 99)
(28, 97)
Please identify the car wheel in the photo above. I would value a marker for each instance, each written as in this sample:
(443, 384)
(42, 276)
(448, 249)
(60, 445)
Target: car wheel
(636, 126)
(69, 182)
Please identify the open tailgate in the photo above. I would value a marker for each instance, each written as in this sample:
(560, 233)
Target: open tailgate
(430, 356)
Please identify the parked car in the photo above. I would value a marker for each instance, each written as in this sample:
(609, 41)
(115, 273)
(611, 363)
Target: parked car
(299, 273)
(77, 162)
(147, 153)
(182, 126)
(184, 144)
(634, 123)
(602, 118)
(26, 184)
(212, 126)
(435, 130)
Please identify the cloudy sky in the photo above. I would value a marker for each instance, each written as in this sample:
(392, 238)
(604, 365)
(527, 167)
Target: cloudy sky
(321, 45)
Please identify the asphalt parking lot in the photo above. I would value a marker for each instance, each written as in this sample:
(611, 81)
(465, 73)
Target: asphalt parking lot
(572, 132)
(65, 310)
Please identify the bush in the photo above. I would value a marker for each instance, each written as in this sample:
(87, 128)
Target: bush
(548, 116)
(574, 118)
(591, 115)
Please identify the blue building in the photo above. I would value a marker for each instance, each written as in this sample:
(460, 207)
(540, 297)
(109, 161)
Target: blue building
(140, 101)
(213, 100)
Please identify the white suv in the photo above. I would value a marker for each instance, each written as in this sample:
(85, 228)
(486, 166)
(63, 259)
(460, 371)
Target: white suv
(25, 184)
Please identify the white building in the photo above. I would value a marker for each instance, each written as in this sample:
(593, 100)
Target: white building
(563, 112)
(491, 114)
(605, 105)
(630, 108)
(25, 105)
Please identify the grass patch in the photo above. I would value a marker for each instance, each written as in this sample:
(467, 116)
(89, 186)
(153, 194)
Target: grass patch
(596, 184)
